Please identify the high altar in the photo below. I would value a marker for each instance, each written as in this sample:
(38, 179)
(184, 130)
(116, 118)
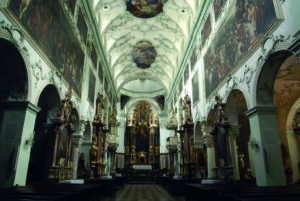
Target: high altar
(142, 137)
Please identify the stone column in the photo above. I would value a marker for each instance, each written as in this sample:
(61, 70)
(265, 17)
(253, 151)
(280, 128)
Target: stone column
(211, 156)
(233, 151)
(16, 139)
(76, 143)
(251, 159)
(293, 141)
(267, 154)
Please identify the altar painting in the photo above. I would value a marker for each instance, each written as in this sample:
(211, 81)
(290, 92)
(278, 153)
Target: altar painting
(62, 144)
(244, 25)
(48, 25)
(142, 139)
(218, 6)
(91, 92)
(206, 30)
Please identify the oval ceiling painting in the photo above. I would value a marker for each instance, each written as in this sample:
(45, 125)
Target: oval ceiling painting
(144, 54)
(145, 8)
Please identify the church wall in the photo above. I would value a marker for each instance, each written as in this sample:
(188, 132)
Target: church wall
(246, 74)
(42, 71)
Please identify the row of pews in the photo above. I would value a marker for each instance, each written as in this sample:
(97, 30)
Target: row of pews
(91, 190)
(52, 192)
(231, 191)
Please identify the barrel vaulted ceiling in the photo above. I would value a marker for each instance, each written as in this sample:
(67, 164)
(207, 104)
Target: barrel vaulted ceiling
(168, 32)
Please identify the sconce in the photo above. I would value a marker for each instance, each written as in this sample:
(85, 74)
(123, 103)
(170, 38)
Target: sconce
(30, 140)
(253, 143)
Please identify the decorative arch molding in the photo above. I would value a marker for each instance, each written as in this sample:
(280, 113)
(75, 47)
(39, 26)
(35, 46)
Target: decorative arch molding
(292, 112)
(232, 105)
(134, 77)
(15, 36)
(131, 103)
(266, 77)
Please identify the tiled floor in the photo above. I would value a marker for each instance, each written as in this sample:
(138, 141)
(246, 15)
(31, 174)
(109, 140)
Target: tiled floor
(143, 192)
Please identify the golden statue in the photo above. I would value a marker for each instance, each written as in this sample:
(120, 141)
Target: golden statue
(94, 152)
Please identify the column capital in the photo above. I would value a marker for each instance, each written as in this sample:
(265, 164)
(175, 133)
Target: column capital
(21, 105)
(208, 140)
(77, 141)
(83, 124)
(261, 110)
(235, 130)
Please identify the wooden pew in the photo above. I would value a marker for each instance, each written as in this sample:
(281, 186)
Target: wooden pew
(53, 192)
(240, 192)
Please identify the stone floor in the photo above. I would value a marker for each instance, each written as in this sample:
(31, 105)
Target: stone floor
(143, 192)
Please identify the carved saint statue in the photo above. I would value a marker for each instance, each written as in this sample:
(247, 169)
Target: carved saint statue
(94, 152)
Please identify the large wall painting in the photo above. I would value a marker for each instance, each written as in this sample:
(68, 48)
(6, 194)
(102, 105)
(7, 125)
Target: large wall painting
(195, 87)
(218, 6)
(82, 27)
(94, 56)
(244, 25)
(206, 30)
(48, 25)
(92, 84)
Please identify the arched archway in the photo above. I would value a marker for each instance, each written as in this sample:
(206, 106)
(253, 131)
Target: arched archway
(13, 75)
(276, 90)
(236, 107)
(286, 99)
(41, 151)
(15, 112)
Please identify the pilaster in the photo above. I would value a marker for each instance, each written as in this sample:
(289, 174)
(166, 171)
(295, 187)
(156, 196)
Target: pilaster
(267, 155)
(16, 138)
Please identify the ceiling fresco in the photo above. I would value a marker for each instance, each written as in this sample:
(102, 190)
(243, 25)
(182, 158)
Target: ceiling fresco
(144, 54)
(167, 34)
(145, 8)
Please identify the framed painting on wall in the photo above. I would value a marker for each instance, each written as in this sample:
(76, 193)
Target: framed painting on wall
(193, 58)
(105, 84)
(100, 73)
(218, 6)
(206, 30)
(72, 5)
(92, 84)
(48, 26)
(195, 87)
(223, 55)
(82, 27)
(94, 56)
(180, 85)
(186, 74)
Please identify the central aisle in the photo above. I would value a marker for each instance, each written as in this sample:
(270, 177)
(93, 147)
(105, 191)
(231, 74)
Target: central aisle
(143, 192)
